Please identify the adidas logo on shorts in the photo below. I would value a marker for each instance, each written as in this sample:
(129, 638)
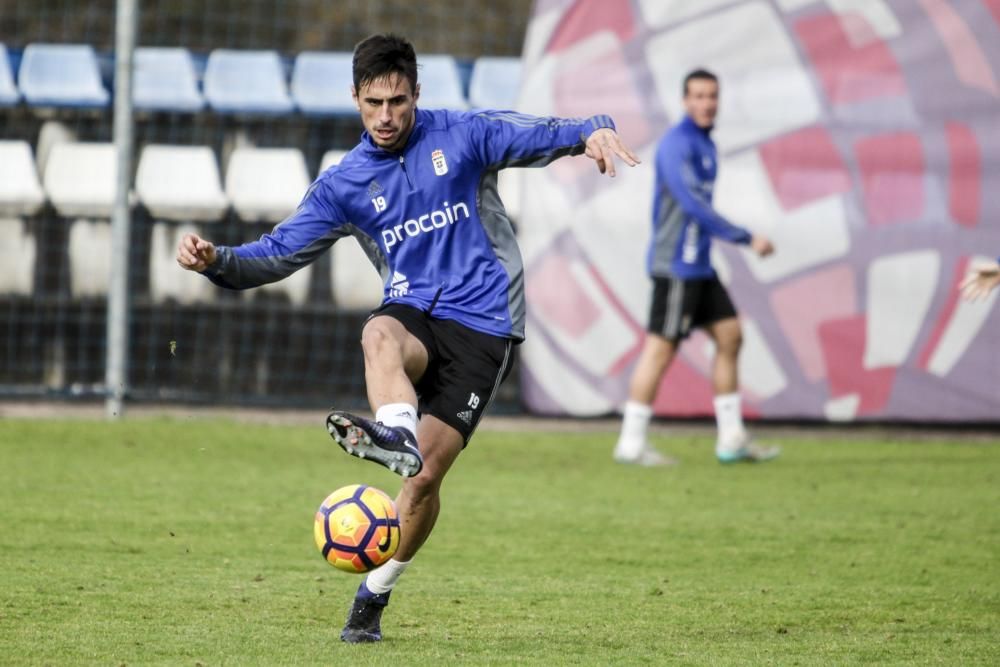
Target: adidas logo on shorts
(466, 416)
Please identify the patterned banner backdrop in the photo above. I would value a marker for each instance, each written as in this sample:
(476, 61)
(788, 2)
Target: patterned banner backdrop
(862, 136)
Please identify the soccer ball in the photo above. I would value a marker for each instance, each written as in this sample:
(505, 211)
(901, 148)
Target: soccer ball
(357, 528)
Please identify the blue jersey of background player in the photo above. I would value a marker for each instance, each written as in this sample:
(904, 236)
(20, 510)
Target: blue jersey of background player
(686, 291)
(684, 221)
(419, 194)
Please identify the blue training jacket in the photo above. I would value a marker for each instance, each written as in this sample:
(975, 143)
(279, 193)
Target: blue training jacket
(684, 221)
(429, 218)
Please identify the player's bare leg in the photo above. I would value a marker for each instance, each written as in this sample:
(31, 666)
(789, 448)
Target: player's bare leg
(418, 503)
(733, 444)
(394, 361)
(654, 359)
(728, 337)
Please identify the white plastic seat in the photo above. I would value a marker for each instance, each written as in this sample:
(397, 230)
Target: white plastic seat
(180, 183)
(246, 82)
(266, 184)
(495, 83)
(167, 280)
(9, 94)
(164, 79)
(17, 258)
(329, 159)
(440, 83)
(20, 191)
(80, 179)
(355, 283)
(89, 257)
(321, 83)
(61, 75)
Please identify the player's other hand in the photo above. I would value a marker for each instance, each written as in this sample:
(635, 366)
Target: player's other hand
(602, 147)
(195, 253)
(761, 245)
(981, 279)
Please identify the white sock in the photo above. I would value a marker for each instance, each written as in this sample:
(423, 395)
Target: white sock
(635, 421)
(384, 578)
(398, 414)
(729, 417)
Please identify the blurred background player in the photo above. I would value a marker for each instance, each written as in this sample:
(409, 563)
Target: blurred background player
(419, 194)
(981, 280)
(686, 291)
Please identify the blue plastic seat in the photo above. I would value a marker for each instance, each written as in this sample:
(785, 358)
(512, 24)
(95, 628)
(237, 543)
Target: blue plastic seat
(321, 83)
(61, 75)
(246, 82)
(9, 94)
(440, 83)
(495, 83)
(165, 80)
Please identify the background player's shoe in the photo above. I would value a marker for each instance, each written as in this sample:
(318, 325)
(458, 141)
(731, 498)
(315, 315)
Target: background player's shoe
(649, 457)
(364, 620)
(747, 452)
(395, 448)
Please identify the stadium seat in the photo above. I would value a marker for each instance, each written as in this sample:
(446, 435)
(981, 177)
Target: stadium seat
(61, 75)
(9, 94)
(51, 133)
(355, 284)
(166, 279)
(80, 179)
(329, 159)
(180, 183)
(89, 257)
(440, 83)
(495, 83)
(246, 82)
(17, 258)
(20, 191)
(266, 184)
(165, 80)
(321, 83)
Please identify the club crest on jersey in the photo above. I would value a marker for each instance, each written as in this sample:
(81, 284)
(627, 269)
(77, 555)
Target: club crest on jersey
(440, 164)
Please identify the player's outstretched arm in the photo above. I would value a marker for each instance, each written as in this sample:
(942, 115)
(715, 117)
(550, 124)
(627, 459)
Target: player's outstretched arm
(195, 253)
(602, 147)
(982, 278)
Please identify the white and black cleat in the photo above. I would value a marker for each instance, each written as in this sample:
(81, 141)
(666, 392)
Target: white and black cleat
(393, 448)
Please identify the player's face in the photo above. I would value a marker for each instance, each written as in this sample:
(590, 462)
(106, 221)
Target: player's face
(388, 108)
(702, 101)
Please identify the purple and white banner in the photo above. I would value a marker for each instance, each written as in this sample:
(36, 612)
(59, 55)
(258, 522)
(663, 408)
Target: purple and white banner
(861, 136)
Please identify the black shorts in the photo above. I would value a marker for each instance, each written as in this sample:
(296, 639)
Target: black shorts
(464, 367)
(681, 305)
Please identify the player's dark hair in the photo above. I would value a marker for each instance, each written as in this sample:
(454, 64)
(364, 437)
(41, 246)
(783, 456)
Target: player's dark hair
(702, 74)
(380, 56)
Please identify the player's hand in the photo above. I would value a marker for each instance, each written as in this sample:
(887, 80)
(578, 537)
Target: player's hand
(761, 245)
(981, 279)
(602, 147)
(195, 253)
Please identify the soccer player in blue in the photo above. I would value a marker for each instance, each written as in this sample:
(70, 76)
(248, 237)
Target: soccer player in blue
(686, 291)
(419, 193)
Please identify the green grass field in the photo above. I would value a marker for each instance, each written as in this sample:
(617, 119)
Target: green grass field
(186, 542)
